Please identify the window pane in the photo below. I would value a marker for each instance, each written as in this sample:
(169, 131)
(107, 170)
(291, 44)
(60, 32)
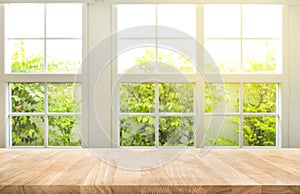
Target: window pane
(137, 60)
(64, 20)
(136, 15)
(179, 17)
(25, 56)
(178, 57)
(259, 98)
(265, 23)
(137, 131)
(261, 55)
(24, 20)
(64, 131)
(226, 55)
(259, 131)
(221, 131)
(222, 21)
(64, 97)
(176, 131)
(222, 98)
(137, 98)
(27, 131)
(178, 97)
(64, 55)
(27, 97)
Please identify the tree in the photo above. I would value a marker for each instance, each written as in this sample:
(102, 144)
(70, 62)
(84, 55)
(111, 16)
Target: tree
(172, 97)
(139, 98)
(29, 98)
(258, 98)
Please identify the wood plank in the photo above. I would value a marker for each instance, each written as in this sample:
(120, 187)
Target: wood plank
(80, 171)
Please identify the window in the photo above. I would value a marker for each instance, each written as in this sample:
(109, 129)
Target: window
(241, 109)
(241, 42)
(161, 112)
(43, 56)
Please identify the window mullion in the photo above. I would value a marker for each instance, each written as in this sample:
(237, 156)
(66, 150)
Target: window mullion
(156, 115)
(46, 125)
(241, 39)
(45, 39)
(241, 140)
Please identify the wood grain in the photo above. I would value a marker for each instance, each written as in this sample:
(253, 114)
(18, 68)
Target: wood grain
(218, 171)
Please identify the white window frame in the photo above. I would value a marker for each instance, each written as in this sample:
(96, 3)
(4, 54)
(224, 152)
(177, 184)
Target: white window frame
(279, 78)
(43, 78)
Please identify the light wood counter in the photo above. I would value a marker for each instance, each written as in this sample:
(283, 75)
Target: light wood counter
(218, 171)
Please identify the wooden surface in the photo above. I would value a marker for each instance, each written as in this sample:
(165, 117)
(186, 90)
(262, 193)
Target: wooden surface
(217, 171)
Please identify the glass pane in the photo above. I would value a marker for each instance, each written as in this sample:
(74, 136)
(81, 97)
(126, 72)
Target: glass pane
(265, 23)
(259, 131)
(27, 97)
(261, 55)
(64, 97)
(178, 57)
(222, 21)
(222, 98)
(137, 131)
(136, 15)
(226, 55)
(64, 20)
(25, 56)
(137, 98)
(64, 55)
(64, 131)
(176, 131)
(178, 97)
(27, 131)
(137, 60)
(221, 131)
(260, 98)
(24, 20)
(179, 17)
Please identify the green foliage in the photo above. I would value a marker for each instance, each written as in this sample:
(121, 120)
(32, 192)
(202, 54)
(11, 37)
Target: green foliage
(63, 131)
(176, 131)
(29, 97)
(140, 130)
(21, 62)
(178, 97)
(140, 98)
(137, 98)
(137, 131)
(259, 130)
(213, 139)
(27, 131)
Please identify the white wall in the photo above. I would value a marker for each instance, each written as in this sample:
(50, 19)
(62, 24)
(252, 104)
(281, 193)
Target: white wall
(99, 98)
(294, 76)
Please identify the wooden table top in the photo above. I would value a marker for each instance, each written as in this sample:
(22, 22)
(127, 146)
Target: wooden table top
(131, 171)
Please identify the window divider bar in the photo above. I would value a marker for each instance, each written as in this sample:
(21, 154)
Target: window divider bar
(46, 125)
(16, 114)
(241, 38)
(29, 78)
(244, 114)
(241, 93)
(156, 115)
(45, 38)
